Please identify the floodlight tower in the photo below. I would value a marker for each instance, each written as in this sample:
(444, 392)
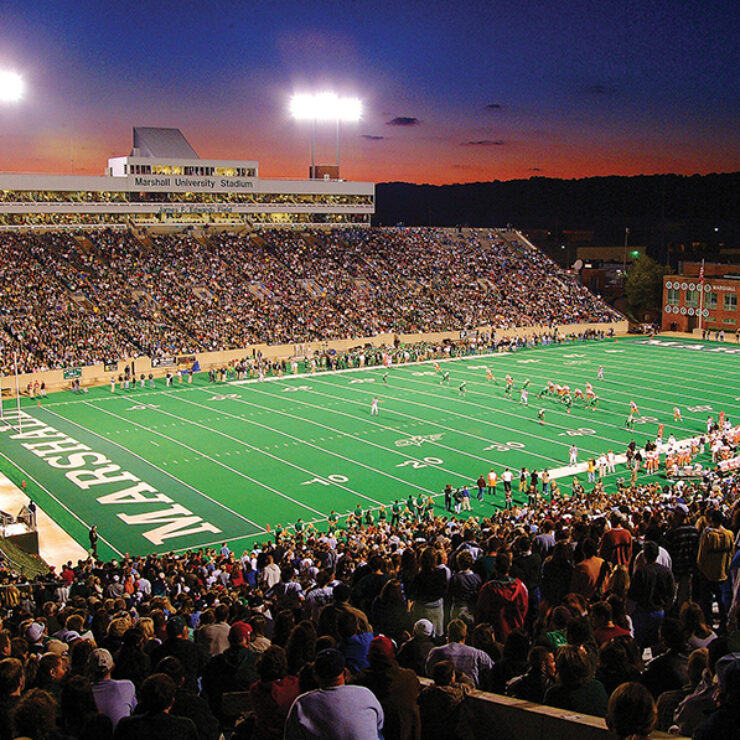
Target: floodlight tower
(324, 107)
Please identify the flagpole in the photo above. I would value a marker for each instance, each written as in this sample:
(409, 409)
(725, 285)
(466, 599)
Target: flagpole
(701, 295)
(17, 391)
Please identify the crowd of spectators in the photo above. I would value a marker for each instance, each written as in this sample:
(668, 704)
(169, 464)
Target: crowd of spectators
(623, 606)
(79, 299)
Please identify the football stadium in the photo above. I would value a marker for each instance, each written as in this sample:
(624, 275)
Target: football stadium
(269, 469)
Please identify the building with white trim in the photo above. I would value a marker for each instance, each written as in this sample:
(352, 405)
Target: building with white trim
(164, 182)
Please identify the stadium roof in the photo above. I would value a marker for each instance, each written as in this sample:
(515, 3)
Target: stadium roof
(163, 143)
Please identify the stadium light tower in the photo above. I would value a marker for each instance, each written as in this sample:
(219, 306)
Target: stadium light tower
(11, 87)
(324, 107)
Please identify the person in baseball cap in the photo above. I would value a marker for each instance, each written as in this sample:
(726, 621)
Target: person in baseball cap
(240, 632)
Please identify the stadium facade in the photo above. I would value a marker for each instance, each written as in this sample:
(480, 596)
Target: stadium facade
(164, 182)
(711, 294)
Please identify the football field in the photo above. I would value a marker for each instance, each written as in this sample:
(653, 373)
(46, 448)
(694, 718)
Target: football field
(160, 469)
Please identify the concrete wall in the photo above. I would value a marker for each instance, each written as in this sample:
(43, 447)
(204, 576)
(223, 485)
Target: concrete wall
(98, 375)
(485, 716)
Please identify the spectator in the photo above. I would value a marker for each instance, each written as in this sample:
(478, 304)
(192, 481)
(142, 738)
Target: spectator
(177, 645)
(413, 653)
(155, 721)
(329, 614)
(503, 601)
(589, 574)
(576, 689)
(669, 701)
(697, 706)
(78, 714)
(652, 590)
(463, 588)
(353, 644)
(233, 670)
(132, 662)
(440, 704)
(631, 712)
(34, 716)
(335, 711)
(474, 663)
(602, 618)
(682, 543)
(669, 670)
(271, 697)
(11, 685)
(428, 589)
(616, 543)
(619, 662)
(188, 704)
(540, 675)
(716, 548)
(390, 614)
(397, 689)
(557, 574)
(114, 699)
(214, 638)
(695, 626)
(723, 722)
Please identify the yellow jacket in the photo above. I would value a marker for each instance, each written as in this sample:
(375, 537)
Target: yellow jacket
(716, 548)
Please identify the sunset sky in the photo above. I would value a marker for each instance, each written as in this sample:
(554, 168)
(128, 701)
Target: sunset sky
(452, 91)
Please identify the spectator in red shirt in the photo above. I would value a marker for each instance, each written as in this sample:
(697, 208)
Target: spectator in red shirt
(503, 601)
(604, 627)
(273, 694)
(616, 543)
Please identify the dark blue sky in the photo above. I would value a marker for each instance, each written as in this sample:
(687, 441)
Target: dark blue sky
(453, 91)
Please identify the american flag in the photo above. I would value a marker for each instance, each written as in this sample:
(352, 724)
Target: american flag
(701, 273)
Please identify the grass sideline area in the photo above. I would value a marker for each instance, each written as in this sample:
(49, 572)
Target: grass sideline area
(160, 469)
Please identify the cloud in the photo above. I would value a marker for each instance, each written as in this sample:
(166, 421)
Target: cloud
(403, 121)
(535, 169)
(600, 90)
(372, 137)
(493, 106)
(484, 142)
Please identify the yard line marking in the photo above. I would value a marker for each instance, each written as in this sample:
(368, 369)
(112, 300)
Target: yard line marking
(240, 442)
(309, 444)
(354, 436)
(487, 460)
(474, 418)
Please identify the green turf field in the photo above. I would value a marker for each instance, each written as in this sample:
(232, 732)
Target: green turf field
(175, 468)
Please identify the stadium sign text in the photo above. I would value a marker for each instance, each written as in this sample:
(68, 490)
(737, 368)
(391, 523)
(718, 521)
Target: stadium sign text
(88, 469)
(196, 183)
(695, 347)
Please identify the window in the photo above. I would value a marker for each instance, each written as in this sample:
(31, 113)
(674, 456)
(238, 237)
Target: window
(711, 300)
(692, 298)
(728, 321)
(730, 302)
(672, 296)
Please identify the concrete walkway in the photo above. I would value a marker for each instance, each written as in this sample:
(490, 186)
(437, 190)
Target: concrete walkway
(55, 545)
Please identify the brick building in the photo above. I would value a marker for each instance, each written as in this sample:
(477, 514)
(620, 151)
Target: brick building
(684, 297)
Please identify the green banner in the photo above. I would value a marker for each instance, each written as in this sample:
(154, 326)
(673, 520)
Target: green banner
(72, 372)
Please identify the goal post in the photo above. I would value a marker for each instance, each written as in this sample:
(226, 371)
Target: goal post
(12, 419)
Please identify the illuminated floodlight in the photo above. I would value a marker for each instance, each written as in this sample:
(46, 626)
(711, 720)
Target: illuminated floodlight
(11, 87)
(325, 107)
